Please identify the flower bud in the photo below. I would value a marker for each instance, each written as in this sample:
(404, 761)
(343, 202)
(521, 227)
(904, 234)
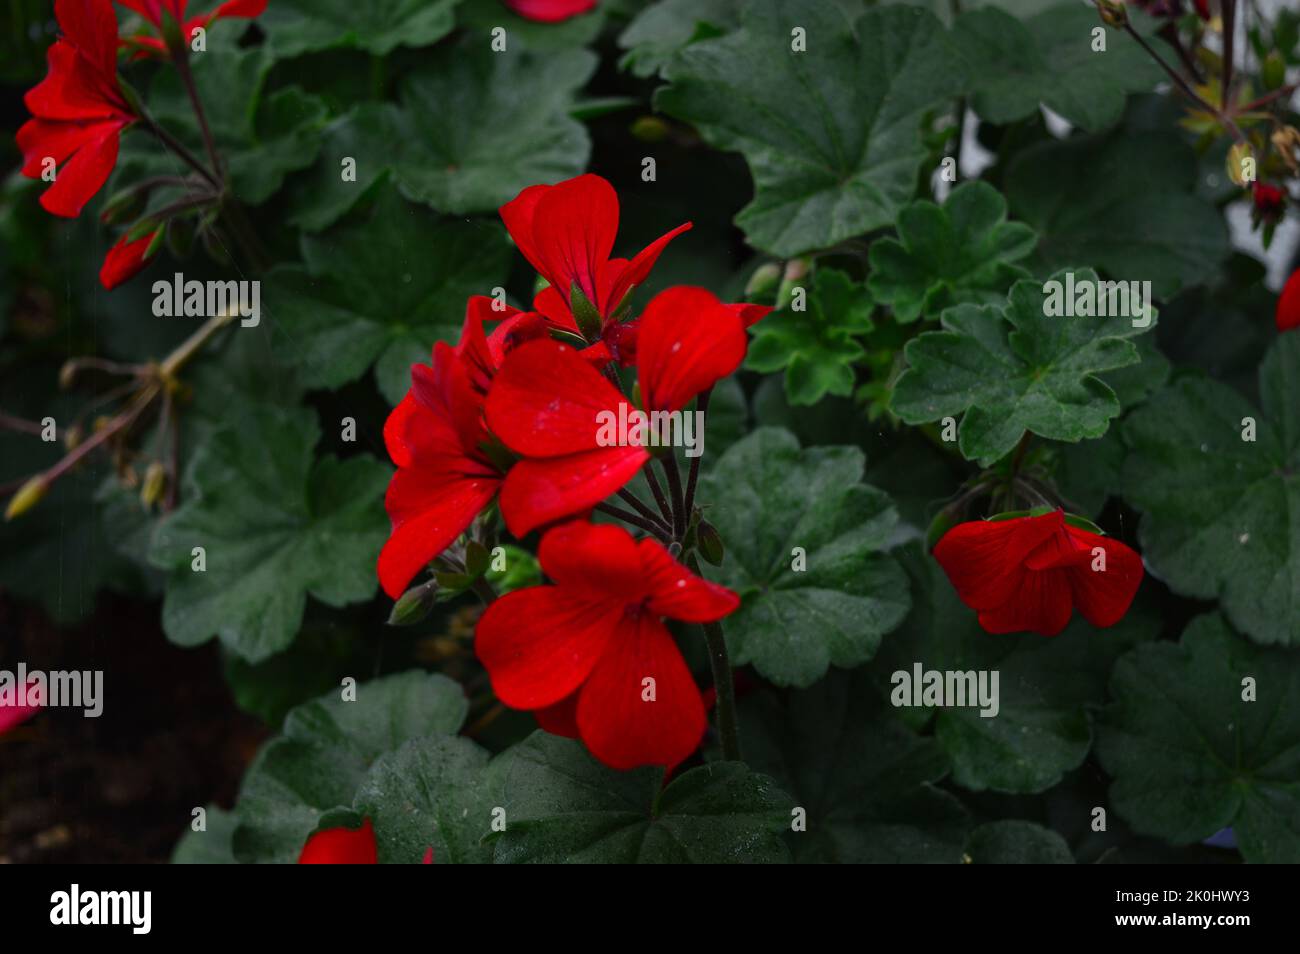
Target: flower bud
(650, 129)
(1238, 156)
(584, 314)
(155, 482)
(710, 544)
(414, 605)
(1113, 13)
(27, 497)
(1274, 71)
(764, 282)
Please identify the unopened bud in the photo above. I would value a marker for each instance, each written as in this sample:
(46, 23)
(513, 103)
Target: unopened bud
(1240, 164)
(650, 129)
(584, 313)
(764, 282)
(155, 482)
(709, 542)
(1274, 71)
(414, 605)
(1113, 13)
(27, 497)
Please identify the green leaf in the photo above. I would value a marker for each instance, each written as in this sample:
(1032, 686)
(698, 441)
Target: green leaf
(1219, 512)
(832, 135)
(816, 346)
(1012, 842)
(1190, 756)
(961, 251)
(662, 30)
(865, 781)
(1129, 210)
(1040, 728)
(1049, 58)
(294, 27)
(274, 526)
(382, 291)
(778, 507)
(323, 758)
(261, 139)
(210, 846)
(1027, 372)
(429, 793)
(474, 129)
(563, 806)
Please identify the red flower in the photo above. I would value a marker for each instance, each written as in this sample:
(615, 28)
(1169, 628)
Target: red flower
(547, 402)
(592, 652)
(567, 232)
(14, 712)
(341, 846)
(550, 11)
(1026, 573)
(153, 10)
(127, 259)
(1288, 303)
(1269, 203)
(78, 109)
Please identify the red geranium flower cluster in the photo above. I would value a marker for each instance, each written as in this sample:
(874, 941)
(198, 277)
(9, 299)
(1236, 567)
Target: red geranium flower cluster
(1029, 573)
(81, 108)
(511, 413)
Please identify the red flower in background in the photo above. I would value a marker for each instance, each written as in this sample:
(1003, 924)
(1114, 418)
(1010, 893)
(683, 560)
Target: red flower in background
(126, 259)
(153, 10)
(566, 231)
(1288, 304)
(14, 712)
(78, 109)
(547, 400)
(1028, 573)
(341, 846)
(550, 11)
(582, 650)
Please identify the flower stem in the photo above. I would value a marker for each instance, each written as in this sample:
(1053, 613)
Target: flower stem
(694, 475)
(664, 509)
(646, 513)
(485, 591)
(181, 150)
(674, 475)
(658, 530)
(723, 683)
(214, 157)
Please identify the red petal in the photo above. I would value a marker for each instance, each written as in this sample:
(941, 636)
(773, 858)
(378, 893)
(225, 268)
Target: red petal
(91, 25)
(481, 359)
(560, 719)
(555, 307)
(984, 559)
(1103, 597)
(601, 560)
(748, 314)
(617, 725)
(678, 593)
(241, 8)
(14, 713)
(541, 491)
(1288, 304)
(566, 230)
(83, 175)
(429, 509)
(687, 342)
(341, 846)
(1041, 604)
(539, 644)
(545, 401)
(550, 11)
(637, 270)
(125, 260)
